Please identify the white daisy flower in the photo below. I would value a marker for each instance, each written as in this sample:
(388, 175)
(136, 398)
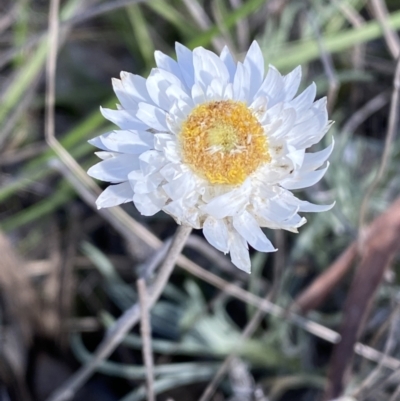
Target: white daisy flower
(216, 145)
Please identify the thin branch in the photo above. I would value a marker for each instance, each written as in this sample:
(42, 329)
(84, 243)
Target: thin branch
(122, 326)
(381, 14)
(51, 65)
(369, 108)
(145, 331)
(323, 285)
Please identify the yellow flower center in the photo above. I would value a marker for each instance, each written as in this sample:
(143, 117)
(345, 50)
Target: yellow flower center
(223, 142)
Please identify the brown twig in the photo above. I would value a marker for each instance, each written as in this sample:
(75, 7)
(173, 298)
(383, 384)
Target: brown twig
(380, 245)
(369, 108)
(381, 14)
(18, 292)
(315, 294)
(121, 327)
(145, 331)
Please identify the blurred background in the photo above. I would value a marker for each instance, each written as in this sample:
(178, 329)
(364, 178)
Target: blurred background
(68, 272)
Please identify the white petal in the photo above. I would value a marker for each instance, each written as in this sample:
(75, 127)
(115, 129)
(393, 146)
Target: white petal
(305, 206)
(254, 63)
(239, 252)
(272, 87)
(114, 195)
(179, 187)
(149, 204)
(105, 155)
(127, 101)
(312, 129)
(228, 204)
(183, 213)
(158, 84)
(296, 156)
(171, 171)
(217, 90)
(185, 62)
(177, 94)
(304, 180)
(293, 224)
(123, 119)
(135, 86)
(229, 61)
(241, 84)
(152, 116)
(151, 161)
(275, 210)
(216, 233)
(228, 93)
(246, 225)
(305, 99)
(314, 160)
(147, 184)
(97, 142)
(132, 142)
(167, 63)
(198, 94)
(291, 83)
(167, 144)
(115, 169)
(283, 126)
(207, 66)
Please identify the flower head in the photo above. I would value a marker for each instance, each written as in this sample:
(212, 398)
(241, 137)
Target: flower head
(216, 145)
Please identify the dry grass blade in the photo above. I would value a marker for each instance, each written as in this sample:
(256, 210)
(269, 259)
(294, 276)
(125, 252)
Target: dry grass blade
(367, 384)
(378, 250)
(392, 40)
(315, 294)
(371, 107)
(101, 9)
(145, 330)
(202, 20)
(118, 331)
(18, 292)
